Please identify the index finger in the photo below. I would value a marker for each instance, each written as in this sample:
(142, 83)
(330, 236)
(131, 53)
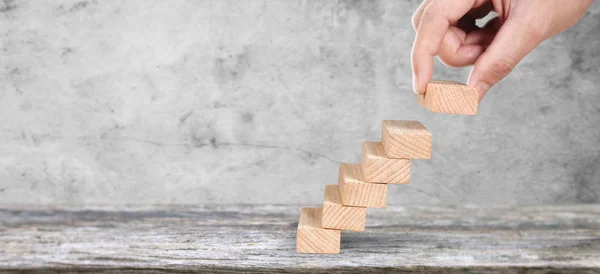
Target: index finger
(435, 21)
(416, 18)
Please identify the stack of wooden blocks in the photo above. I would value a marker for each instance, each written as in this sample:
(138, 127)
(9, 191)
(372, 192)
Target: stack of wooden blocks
(364, 185)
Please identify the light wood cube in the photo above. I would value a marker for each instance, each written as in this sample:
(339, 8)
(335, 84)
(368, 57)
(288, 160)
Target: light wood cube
(450, 97)
(312, 238)
(406, 140)
(378, 168)
(354, 191)
(338, 216)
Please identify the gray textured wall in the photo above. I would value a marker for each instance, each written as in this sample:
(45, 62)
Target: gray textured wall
(150, 102)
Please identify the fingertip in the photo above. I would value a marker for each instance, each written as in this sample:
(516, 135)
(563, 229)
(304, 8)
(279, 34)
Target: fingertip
(421, 74)
(419, 87)
(480, 85)
(482, 88)
(415, 84)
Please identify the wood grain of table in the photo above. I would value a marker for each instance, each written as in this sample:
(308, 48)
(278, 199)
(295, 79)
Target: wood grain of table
(261, 238)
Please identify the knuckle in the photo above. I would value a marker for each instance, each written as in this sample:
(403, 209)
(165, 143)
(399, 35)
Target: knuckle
(432, 11)
(502, 67)
(533, 30)
(427, 16)
(415, 21)
(536, 33)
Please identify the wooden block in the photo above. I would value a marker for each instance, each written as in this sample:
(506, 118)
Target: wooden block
(378, 168)
(406, 140)
(450, 97)
(338, 216)
(312, 238)
(354, 191)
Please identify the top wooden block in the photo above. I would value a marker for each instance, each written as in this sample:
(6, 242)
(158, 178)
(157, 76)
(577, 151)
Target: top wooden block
(450, 97)
(406, 140)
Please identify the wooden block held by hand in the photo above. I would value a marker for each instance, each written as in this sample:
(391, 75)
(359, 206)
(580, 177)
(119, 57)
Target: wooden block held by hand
(338, 216)
(356, 192)
(378, 168)
(406, 140)
(312, 238)
(450, 97)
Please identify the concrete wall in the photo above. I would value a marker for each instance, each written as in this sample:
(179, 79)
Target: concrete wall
(146, 102)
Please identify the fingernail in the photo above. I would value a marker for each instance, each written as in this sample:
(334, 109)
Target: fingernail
(414, 83)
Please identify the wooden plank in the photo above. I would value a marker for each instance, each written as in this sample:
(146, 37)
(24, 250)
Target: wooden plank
(406, 140)
(378, 168)
(312, 238)
(450, 97)
(338, 216)
(356, 192)
(262, 238)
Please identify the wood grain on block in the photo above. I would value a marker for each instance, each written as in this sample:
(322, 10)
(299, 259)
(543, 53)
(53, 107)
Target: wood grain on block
(354, 191)
(406, 140)
(378, 168)
(312, 238)
(450, 97)
(338, 216)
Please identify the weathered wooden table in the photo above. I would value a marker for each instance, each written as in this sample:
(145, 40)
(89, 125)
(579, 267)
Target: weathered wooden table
(262, 238)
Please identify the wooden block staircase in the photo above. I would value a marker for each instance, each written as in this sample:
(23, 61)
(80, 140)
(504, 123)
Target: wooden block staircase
(363, 185)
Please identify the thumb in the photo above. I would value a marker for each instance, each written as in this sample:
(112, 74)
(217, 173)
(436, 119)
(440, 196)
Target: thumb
(513, 41)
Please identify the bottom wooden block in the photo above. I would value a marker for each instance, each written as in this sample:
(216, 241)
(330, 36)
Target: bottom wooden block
(337, 216)
(312, 238)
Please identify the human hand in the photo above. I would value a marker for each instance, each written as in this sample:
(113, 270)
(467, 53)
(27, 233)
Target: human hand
(446, 28)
